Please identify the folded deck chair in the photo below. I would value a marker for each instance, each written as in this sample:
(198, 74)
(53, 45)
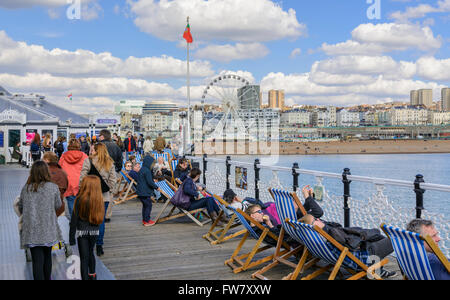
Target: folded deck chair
(284, 201)
(168, 190)
(412, 257)
(322, 245)
(218, 236)
(173, 166)
(236, 262)
(129, 191)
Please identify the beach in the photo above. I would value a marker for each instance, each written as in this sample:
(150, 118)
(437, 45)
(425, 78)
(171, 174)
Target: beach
(324, 148)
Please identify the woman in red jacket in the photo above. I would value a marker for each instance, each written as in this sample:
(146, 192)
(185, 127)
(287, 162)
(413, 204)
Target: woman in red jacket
(72, 162)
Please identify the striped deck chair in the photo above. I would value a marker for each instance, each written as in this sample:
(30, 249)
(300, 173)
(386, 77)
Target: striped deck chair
(284, 201)
(168, 190)
(169, 151)
(129, 192)
(164, 155)
(236, 262)
(323, 246)
(411, 255)
(218, 236)
(173, 166)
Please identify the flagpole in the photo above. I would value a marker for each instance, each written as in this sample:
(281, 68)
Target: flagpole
(188, 95)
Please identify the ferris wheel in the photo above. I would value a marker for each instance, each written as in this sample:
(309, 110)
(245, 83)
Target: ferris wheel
(235, 96)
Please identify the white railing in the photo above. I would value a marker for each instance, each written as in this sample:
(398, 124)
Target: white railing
(372, 205)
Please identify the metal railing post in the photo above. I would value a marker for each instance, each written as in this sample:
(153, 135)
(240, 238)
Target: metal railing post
(228, 165)
(205, 166)
(419, 195)
(295, 176)
(346, 196)
(257, 162)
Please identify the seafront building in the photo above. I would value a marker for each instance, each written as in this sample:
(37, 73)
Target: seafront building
(409, 116)
(347, 118)
(276, 99)
(445, 99)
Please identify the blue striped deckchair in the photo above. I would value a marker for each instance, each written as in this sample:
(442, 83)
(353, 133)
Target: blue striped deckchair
(236, 262)
(169, 151)
(129, 191)
(323, 246)
(284, 201)
(164, 155)
(412, 257)
(173, 166)
(168, 190)
(220, 236)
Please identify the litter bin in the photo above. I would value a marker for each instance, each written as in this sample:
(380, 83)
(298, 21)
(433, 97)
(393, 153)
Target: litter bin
(2, 159)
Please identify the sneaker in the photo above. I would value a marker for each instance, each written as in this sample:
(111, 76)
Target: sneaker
(387, 274)
(149, 223)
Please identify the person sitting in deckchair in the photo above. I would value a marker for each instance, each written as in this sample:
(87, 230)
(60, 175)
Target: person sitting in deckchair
(310, 205)
(236, 202)
(182, 170)
(426, 227)
(267, 221)
(128, 166)
(356, 239)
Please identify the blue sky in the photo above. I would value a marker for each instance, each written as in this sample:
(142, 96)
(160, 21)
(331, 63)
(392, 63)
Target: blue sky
(320, 52)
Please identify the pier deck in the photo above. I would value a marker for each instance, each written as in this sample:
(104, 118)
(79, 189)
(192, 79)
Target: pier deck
(174, 250)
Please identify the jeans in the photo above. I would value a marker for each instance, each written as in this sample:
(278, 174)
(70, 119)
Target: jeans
(207, 202)
(70, 201)
(102, 227)
(129, 153)
(146, 208)
(42, 262)
(87, 258)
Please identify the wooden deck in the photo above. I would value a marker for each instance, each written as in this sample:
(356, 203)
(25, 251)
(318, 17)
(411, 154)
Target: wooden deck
(174, 250)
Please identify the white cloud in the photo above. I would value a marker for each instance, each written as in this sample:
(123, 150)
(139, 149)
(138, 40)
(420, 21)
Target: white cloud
(434, 69)
(296, 52)
(19, 58)
(376, 39)
(420, 11)
(227, 53)
(231, 20)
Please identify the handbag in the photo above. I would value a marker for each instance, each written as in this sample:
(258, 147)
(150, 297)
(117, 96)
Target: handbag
(94, 171)
(180, 199)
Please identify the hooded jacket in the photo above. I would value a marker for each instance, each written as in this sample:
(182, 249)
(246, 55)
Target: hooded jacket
(72, 163)
(145, 184)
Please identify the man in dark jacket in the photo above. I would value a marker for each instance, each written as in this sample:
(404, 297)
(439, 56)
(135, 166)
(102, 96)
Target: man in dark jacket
(113, 150)
(145, 189)
(84, 145)
(130, 144)
(182, 170)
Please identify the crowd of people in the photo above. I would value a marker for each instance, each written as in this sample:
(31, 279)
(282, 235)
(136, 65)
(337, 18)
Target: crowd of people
(78, 179)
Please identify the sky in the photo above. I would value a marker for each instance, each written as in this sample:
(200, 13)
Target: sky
(322, 52)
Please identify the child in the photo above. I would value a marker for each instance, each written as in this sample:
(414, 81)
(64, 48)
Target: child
(87, 216)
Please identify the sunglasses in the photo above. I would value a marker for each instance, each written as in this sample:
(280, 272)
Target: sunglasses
(258, 212)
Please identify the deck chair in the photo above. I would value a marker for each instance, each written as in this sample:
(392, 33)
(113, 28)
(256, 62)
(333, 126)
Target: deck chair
(169, 151)
(284, 202)
(164, 155)
(173, 166)
(218, 236)
(236, 262)
(128, 191)
(321, 245)
(411, 255)
(168, 190)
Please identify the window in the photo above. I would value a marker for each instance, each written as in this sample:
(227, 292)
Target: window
(13, 137)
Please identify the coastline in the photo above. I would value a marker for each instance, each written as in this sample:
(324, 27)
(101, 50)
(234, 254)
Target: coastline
(327, 148)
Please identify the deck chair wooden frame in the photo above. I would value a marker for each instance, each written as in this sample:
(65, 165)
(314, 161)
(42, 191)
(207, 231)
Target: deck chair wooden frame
(283, 259)
(172, 170)
(335, 264)
(236, 261)
(408, 262)
(128, 193)
(182, 212)
(219, 236)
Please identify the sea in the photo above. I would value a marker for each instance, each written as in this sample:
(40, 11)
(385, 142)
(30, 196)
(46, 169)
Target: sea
(435, 168)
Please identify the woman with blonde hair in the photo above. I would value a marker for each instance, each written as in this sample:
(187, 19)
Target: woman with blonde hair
(47, 143)
(101, 165)
(87, 216)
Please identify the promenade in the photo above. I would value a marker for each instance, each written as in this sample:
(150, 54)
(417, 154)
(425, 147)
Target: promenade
(174, 250)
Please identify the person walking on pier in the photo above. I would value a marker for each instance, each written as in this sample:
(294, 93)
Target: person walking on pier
(85, 223)
(129, 144)
(38, 202)
(101, 165)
